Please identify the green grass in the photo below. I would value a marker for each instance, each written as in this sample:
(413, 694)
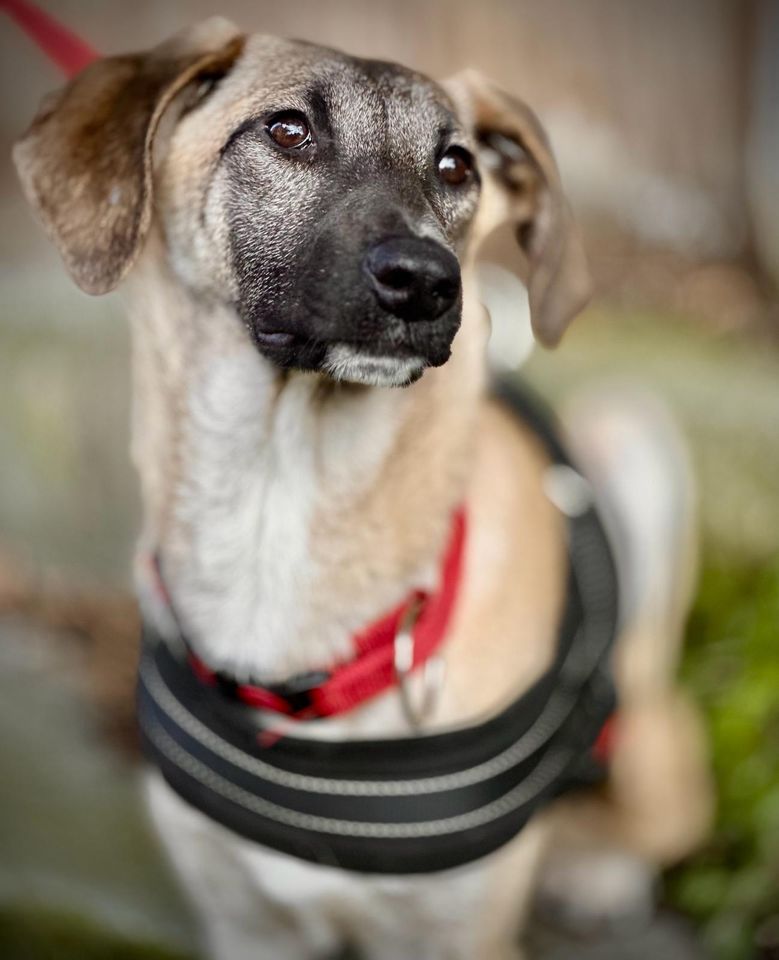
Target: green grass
(37, 934)
(732, 887)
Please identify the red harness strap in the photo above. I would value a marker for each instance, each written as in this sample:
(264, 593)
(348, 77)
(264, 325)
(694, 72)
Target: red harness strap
(373, 668)
(64, 48)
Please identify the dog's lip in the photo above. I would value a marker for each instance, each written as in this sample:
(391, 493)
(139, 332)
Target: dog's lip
(273, 338)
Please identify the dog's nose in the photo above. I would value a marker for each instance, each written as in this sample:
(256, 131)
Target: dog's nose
(413, 278)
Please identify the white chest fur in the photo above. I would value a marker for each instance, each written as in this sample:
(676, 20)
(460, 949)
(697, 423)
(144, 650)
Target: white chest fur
(261, 462)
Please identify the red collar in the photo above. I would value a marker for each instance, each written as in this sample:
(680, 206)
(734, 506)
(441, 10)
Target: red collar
(373, 669)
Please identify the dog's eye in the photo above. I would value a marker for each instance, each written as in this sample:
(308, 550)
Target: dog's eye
(455, 167)
(289, 130)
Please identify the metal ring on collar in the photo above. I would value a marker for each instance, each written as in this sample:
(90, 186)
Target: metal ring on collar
(432, 671)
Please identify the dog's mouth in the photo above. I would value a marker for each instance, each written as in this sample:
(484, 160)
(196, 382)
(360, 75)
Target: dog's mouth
(343, 361)
(384, 361)
(274, 339)
(351, 364)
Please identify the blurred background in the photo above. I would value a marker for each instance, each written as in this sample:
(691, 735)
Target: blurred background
(665, 120)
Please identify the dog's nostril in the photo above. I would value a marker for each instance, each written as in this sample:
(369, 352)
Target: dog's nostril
(397, 278)
(446, 289)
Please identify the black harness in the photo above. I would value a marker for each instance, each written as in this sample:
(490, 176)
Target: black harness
(409, 804)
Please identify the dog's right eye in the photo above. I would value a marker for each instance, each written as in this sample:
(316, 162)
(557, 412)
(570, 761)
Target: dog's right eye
(289, 130)
(456, 167)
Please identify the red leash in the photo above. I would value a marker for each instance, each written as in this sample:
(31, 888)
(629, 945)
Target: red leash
(68, 51)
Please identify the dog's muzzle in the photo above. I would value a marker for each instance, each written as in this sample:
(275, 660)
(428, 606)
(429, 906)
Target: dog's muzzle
(415, 297)
(375, 314)
(413, 278)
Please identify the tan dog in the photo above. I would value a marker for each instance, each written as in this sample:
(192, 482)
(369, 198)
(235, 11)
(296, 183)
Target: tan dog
(297, 223)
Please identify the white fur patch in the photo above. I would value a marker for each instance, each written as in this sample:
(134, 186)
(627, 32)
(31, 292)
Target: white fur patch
(344, 362)
(259, 461)
(246, 501)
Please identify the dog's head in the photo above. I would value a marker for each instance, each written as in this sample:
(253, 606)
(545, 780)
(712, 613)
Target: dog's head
(331, 200)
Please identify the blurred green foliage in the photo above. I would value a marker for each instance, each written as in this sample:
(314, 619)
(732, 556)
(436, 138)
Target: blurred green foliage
(30, 934)
(731, 664)
(723, 389)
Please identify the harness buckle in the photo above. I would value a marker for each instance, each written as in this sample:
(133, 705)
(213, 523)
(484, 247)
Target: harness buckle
(432, 670)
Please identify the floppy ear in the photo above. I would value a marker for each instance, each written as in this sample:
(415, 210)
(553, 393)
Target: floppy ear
(521, 185)
(86, 161)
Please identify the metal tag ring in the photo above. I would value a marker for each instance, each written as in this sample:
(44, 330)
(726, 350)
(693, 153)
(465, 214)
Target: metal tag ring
(432, 671)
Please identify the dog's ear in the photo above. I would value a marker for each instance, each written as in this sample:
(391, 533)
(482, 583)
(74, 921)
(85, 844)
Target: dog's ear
(86, 161)
(521, 185)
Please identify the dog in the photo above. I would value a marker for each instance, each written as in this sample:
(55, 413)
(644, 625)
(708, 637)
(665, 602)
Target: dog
(297, 232)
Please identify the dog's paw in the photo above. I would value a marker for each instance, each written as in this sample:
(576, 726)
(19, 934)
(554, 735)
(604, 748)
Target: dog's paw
(596, 891)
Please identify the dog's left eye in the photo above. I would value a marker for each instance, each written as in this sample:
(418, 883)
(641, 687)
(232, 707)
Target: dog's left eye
(289, 130)
(456, 167)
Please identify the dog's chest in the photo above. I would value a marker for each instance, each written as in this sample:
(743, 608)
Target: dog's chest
(261, 896)
(245, 514)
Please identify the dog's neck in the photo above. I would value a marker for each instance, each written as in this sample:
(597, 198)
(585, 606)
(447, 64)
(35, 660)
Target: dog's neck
(287, 511)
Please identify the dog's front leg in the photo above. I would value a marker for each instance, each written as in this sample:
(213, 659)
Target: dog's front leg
(422, 949)
(470, 913)
(238, 921)
(225, 940)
